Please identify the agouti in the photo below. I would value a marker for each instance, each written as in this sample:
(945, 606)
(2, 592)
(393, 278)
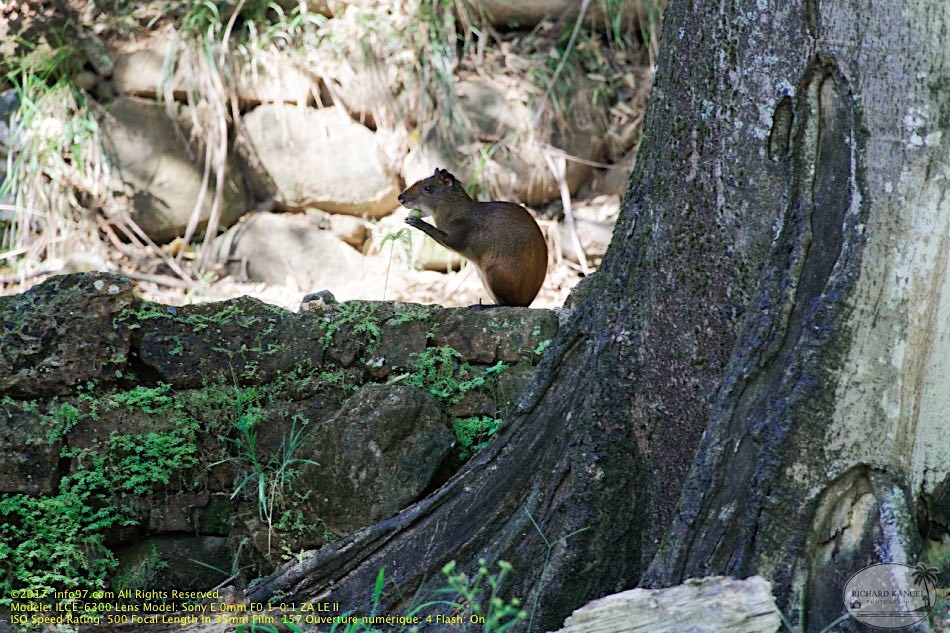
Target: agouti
(500, 238)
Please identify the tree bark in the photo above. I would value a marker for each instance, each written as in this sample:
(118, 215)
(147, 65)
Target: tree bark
(774, 296)
(823, 446)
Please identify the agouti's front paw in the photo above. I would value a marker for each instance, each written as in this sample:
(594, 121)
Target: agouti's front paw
(413, 221)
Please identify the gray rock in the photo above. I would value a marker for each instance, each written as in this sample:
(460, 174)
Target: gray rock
(353, 231)
(27, 460)
(177, 513)
(363, 91)
(287, 250)
(243, 338)
(489, 335)
(518, 169)
(274, 77)
(306, 157)
(140, 72)
(147, 153)
(9, 102)
(399, 340)
(376, 455)
(63, 333)
(701, 605)
(85, 80)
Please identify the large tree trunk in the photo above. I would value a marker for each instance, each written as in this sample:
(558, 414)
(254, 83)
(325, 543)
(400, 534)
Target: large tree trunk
(776, 280)
(827, 437)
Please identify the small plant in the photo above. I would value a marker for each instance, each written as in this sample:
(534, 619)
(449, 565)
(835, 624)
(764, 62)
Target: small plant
(479, 597)
(63, 419)
(441, 372)
(474, 433)
(402, 236)
(362, 317)
(57, 541)
(138, 462)
(147, 399)
(272, 475)
(409, 313)
(542, 347)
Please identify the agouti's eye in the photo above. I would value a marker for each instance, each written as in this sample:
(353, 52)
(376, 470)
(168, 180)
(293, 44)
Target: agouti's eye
(427, 189)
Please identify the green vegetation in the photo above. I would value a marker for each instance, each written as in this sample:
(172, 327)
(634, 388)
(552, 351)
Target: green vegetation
(407, 313)
(474, 433)
(148, 399)
(499, 615)
(57, 541)
(441, 372)
(143, 575)
(477, 597)
(363, 319)
(269, 476)
(141, 461)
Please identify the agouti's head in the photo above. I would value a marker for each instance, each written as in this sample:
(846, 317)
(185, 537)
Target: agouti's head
(431, 192)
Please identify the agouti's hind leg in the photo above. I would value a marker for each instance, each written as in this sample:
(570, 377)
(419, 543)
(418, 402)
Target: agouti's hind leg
(502, 283)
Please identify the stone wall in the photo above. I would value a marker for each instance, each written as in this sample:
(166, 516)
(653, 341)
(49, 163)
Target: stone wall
(175, 420)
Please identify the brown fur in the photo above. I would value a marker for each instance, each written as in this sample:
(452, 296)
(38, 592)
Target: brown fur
(500, 238)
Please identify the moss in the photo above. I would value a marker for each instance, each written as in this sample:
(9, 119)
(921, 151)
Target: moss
(147, 399)
(363, 319)
(133, 315)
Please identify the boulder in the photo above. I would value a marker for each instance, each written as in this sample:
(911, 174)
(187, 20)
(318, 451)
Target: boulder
(503, 114)
(525, 14)
(703, 605)
(376, 455)
(287, 250)
(240, 338)
(362, 89)
(306, 157)
(177, 513)
(141, 71)
(274, 77)
(496, 334)
(28, 460)
(63, 333)
(164, 183)
(354, 231)
(399, 340)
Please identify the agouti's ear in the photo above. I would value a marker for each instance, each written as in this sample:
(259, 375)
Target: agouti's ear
(445, 177)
